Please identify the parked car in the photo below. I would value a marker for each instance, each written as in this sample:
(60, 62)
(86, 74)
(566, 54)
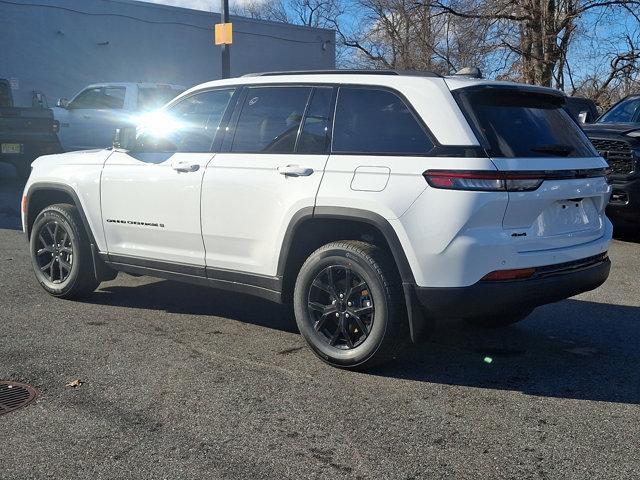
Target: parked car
(583, 110)
(90, 119)
(25, 132)
(616, 136)
(375, 202)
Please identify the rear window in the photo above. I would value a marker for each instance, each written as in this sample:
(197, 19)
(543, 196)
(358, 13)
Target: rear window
(152, 98)
(524, 124)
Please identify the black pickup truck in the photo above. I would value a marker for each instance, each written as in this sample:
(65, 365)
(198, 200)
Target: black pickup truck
(25, 132)
(616, 136)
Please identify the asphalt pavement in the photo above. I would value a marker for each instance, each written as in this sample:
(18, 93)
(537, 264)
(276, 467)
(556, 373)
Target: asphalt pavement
(184, 382)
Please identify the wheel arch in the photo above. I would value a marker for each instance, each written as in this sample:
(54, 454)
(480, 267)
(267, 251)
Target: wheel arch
(310, 228)
(42, 194)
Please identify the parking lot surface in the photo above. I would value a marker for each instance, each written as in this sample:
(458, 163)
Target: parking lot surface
(181, 382)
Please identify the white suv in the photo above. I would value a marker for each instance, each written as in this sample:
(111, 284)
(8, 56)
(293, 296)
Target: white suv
(374, 202)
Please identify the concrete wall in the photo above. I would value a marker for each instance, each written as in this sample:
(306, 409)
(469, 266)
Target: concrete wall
(59, 46)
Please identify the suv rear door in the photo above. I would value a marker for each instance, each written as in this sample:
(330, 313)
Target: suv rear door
(273, 158)
(526, 132)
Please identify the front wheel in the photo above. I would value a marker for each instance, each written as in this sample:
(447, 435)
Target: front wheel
(61, 252)
(349, 306)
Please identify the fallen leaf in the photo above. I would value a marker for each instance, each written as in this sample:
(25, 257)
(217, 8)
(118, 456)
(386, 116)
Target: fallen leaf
(74, 383)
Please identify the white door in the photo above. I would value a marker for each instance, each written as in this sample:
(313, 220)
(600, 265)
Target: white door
(272, 169)
(151, 197)
(91, 118)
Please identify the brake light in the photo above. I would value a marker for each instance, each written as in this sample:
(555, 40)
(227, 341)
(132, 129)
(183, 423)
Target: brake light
(510, 181)
(491, 181)
(517, 274)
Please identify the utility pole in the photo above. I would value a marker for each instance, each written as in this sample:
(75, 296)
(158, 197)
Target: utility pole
(226, 47)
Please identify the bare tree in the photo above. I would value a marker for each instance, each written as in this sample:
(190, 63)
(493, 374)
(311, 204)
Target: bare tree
(537, 32)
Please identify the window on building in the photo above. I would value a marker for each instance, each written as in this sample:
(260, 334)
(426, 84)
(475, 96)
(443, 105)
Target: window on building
(269, 119)
(376, 121)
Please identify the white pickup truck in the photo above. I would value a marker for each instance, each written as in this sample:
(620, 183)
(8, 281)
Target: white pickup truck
(90, 119)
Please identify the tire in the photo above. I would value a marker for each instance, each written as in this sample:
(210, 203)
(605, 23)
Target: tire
(498, 321)
(61, 252)
(363, 328)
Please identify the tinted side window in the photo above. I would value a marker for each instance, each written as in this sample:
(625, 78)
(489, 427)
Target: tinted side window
(111, 98)
(376, 121)
(269, 119)
(315, 131)
(189, 125)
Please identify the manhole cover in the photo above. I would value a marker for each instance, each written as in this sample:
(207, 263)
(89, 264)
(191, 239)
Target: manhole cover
(14, 395)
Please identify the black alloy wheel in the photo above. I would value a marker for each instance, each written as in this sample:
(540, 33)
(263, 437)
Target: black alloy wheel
(341, 307)
(54, 254)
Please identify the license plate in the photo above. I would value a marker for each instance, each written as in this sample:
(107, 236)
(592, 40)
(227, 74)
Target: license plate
(11, 148)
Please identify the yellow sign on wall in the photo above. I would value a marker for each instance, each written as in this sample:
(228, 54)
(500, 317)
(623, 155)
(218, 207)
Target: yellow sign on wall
(223, 34)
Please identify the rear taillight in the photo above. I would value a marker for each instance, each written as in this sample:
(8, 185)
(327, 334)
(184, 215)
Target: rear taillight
(491, 181)
(494, 181)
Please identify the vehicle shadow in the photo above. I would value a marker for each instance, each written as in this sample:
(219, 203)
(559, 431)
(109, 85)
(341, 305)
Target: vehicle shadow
(573, 349)
(175, 297)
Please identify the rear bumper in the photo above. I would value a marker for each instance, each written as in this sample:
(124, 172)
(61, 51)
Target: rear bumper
(625, 200)
(551, 284)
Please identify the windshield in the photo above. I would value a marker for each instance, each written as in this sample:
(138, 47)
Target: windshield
(626, 111)
(152, 98)
(523, 124)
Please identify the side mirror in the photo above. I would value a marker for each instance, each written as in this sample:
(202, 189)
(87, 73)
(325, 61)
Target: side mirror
(125, 138)
(62, 103)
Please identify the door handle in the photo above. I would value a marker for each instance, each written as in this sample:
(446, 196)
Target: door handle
(184, 166)
(295, 171)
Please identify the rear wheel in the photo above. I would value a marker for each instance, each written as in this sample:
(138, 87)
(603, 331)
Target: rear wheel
(349, 306)
(499, 320)
(61, 252)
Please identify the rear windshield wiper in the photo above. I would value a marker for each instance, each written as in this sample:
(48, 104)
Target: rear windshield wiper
(554, 149)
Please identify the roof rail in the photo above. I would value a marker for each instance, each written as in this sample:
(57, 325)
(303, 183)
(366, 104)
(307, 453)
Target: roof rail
(344, 72)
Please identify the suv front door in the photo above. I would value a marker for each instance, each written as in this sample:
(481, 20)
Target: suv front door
(151, 197)
(273, 158)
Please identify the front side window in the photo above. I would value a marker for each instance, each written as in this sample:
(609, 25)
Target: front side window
(270, 119)
(376, 121)
(627, 111)
(524, 124)
(187, 126)
(100, 98)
